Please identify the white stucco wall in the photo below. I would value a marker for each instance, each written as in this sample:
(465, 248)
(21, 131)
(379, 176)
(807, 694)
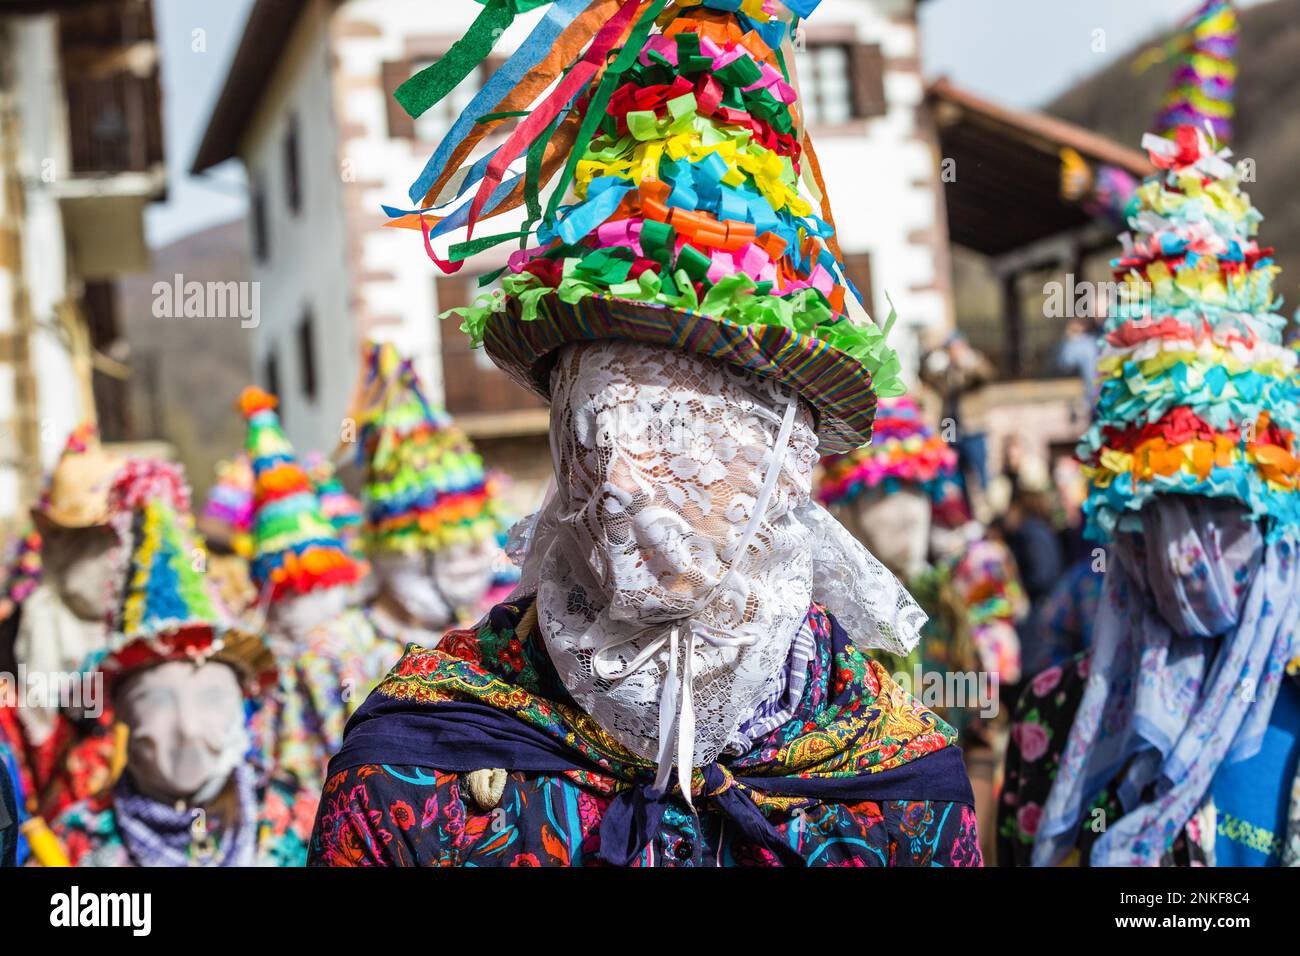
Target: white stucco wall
(881, 180)
(43, 160)
(307, 264)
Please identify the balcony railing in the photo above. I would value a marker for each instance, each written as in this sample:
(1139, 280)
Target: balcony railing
(114, 123)
(110, 77)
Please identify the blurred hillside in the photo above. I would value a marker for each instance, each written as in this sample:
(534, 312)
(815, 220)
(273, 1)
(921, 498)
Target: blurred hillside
(1122, 105)
(189, 371)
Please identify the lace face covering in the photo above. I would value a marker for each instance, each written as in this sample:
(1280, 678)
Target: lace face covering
(676, 560)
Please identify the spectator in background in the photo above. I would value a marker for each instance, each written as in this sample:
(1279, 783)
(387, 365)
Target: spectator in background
(1040, 558)
(1078, 354)
(956, 371)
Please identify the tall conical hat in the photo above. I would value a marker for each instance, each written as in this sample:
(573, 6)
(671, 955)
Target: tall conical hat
(167, 608)
(295, 548)
(339, 508)
(676, 126)
(1198, 394)
(230, 502)
(425, 486)
(1203, 83)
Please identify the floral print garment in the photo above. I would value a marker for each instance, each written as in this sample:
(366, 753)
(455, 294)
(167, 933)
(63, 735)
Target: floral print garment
(90, 836)
(1039, 730)
(412, 816)
(380, 813)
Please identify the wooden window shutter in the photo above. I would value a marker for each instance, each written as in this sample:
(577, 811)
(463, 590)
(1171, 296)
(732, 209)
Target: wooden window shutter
(400, 125)
(459, 378)
(867, 69)
(469, 386)
(858, 267)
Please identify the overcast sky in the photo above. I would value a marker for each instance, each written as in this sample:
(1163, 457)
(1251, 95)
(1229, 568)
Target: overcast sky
(1019, 52)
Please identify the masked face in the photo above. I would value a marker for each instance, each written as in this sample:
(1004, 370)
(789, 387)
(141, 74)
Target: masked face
(895, 527)
(186, 729)
(408, 581)
(659, 460)
(79, 563)
(462, 572)
(674, 550)
(299, 615)
(1195, 557)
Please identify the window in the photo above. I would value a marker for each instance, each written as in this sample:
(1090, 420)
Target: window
(858, 267)
(292, 167)
(272, 375)
(471, 383)
(307, 356)
(261, 237)
(840, 82)
(435, 123)
(438, 119)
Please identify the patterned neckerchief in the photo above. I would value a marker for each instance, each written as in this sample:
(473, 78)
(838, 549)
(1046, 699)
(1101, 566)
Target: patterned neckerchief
(852, 718)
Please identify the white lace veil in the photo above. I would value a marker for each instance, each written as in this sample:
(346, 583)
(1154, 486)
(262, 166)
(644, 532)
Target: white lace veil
(678, 554)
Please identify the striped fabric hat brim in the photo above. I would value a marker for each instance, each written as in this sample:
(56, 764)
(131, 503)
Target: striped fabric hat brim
(837, 386)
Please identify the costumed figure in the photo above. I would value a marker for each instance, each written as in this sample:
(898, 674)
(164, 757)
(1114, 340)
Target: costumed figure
(324, 647)
(900, 496)
(226, 524)
(65, 753)
(679, 679)
(339, 508)
(178, 671)
(431, 523)
(1173, 741)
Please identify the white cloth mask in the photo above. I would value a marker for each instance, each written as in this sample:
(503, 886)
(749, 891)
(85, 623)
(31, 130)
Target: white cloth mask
(681, 551)
(408, 580)
(187, 730)
(293, 618)
(896, 528)
(81, 565)
(462, 572)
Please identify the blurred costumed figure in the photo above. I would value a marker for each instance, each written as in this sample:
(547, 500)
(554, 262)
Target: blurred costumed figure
(226, 524)
(1179, 728)
(678, 679)
(21, 575)
(430, 521)
(339, 508)
(13, 810)
(901, 496)
(65, 753)
(323, 645)
(178, 671)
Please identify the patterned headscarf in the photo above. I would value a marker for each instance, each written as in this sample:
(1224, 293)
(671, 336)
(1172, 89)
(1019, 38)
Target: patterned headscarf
(1168, 704)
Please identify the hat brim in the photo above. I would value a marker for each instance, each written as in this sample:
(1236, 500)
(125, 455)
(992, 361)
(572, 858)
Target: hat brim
(836, 385)
(62, 519)
(195, 642)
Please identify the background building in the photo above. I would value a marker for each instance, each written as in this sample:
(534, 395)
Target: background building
(81, 154)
